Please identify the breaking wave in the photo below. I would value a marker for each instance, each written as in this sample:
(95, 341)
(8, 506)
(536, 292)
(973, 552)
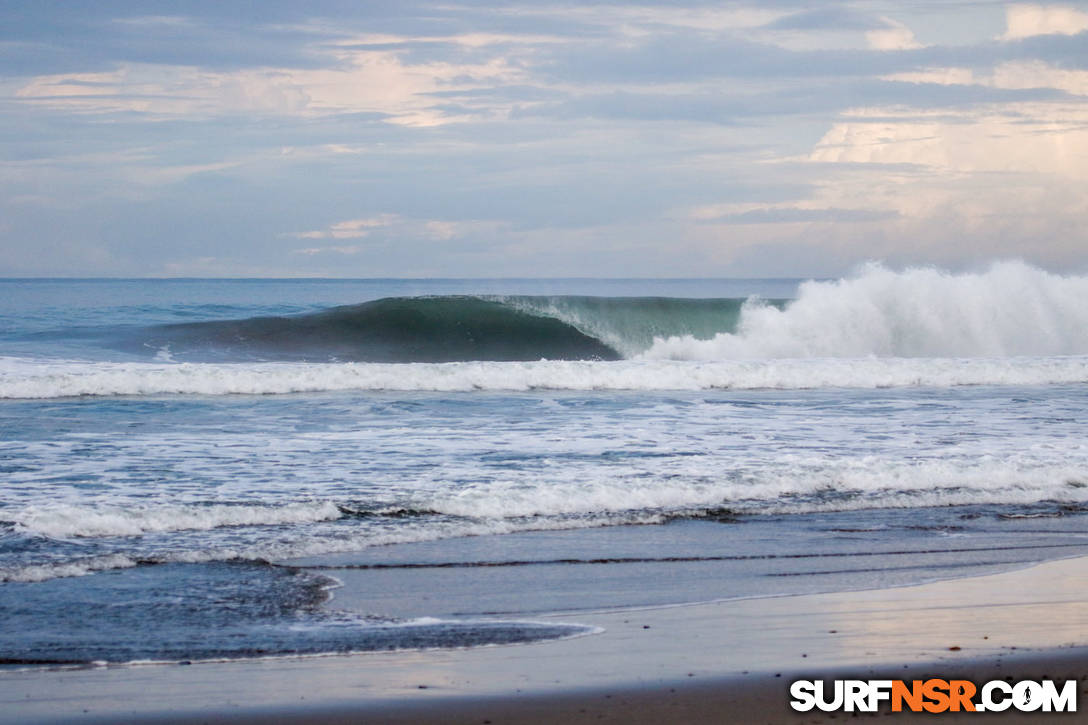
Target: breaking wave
(1011, 310)
(1011, 325)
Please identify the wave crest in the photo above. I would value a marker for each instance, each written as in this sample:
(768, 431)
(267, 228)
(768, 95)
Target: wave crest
(1012, 309)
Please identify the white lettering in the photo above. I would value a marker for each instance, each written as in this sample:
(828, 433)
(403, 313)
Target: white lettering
(856, 695)
(803, 694)
(996, 705)
(1064, 701)
(1027, 696)
(823, 703)
(879, 690)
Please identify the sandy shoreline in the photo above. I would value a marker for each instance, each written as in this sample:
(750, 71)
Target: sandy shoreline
(721, 662)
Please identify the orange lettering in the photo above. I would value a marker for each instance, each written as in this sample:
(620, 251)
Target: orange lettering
(937, 692)
(961, 692)
(912, 696)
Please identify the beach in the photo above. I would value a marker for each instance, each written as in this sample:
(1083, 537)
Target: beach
(728, 661)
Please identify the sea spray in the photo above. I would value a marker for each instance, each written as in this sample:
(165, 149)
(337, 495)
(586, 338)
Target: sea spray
(1011, 310)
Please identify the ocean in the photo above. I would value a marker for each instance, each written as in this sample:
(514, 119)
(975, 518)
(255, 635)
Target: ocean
(200, 469)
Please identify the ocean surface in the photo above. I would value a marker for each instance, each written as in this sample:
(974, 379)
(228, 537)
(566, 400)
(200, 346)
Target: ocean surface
(211, 469)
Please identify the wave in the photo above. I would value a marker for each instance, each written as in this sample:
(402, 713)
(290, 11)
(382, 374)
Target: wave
(1012, 309)
(64, 569)
(31, 379)
(631, 325)
(395, 329)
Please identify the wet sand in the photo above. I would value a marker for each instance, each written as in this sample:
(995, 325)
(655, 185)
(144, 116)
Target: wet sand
(728, 661)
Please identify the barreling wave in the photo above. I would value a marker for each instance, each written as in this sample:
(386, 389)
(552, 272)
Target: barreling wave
(454, 328)
(631, 325)
(394, 330)
(1012, 309)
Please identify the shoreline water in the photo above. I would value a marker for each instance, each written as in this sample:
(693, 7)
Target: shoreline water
(684, 661)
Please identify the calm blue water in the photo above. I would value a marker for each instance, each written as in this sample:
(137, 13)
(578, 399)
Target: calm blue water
(191, 467)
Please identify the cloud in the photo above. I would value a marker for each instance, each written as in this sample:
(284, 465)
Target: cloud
(362, 81)
(1012, 75)
(1037, 74)
(827, 18)
(146, 22)
(1025, 21)
(963, 185)
(310, 251)
(932, 89)
(893, 36)
(446, 230)
(800, 214)
(1040, 138)
(83, 37)
(640, 19)
(442, 230)
(166, 91)
(348, 229)
(936, 76)
(476, 138)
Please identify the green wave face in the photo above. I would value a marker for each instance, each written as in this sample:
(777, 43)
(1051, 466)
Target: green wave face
(629, 325)
(452, 329)
(415, 329)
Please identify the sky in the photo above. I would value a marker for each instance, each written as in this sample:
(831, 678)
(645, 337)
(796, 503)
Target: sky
(414, 138)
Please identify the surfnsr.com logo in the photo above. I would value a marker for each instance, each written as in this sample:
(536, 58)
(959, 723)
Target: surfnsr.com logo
(933, 695)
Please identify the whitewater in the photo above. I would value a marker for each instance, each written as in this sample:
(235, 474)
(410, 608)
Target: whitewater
(1010, 310)
(224, 438)
(31, 379)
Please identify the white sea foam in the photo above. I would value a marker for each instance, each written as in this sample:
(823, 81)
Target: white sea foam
(20, 378)
(790, 483)
(57, 570)
(311, 544)
(68, 521)
(1011, 310)
(794, 484)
